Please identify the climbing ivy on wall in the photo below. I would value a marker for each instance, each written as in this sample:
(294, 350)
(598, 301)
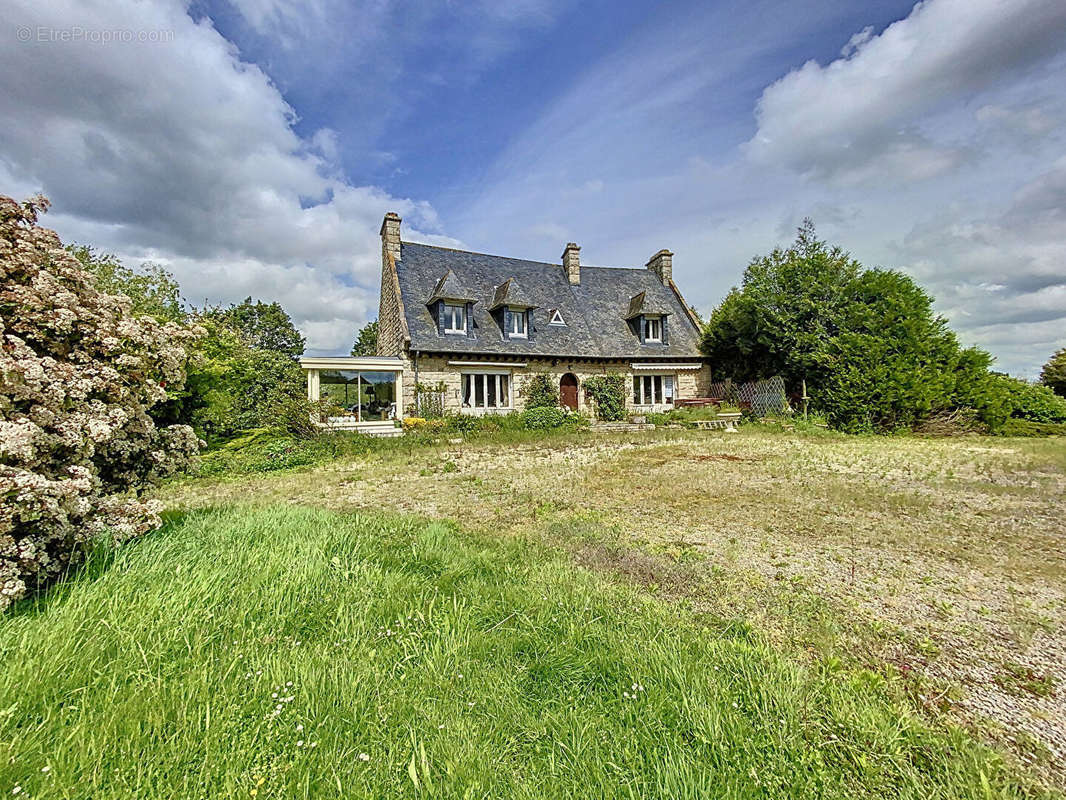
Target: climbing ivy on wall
(541, 392)
(608, 392)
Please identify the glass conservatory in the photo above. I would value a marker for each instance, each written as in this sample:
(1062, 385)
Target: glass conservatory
(367, 392)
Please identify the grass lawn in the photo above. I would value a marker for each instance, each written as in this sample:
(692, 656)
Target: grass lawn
(284, 651)
(801, 616)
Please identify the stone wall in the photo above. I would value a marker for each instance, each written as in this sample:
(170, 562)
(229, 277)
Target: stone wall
(434, 370)
(391, 327)
(694, 383)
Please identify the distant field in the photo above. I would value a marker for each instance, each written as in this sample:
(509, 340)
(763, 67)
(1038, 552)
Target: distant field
(805, 616)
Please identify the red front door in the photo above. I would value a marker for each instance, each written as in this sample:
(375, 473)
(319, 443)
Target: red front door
(568, 391)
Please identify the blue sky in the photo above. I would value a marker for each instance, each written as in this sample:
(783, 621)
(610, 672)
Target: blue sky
(253, 145)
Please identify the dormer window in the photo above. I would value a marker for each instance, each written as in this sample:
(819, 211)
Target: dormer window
(517, 324)
(653, 329)
(454, 318)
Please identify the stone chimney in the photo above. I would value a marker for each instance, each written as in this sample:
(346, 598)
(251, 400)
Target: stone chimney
(390, 235)
(572, 263)
(662, 264)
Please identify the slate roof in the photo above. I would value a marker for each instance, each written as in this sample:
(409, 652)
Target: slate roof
(508, 294)
(594, 311)
(642, 304)
(449, 288)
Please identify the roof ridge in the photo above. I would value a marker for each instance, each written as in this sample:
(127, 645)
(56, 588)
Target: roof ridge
(515, 258)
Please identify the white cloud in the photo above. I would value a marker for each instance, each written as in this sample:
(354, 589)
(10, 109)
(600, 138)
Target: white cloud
(181, 153)
(1000, 279)
(866, 117)
(857, 41)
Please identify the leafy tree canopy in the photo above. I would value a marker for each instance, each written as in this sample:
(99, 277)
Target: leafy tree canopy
(153, 291)
(232, 386)
(366, 343)
(1053, 375)
(874, 354)
(264, 326)
(789, 307)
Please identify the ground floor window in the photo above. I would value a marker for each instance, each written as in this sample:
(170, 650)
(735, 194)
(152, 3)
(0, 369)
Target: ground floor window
(486, 390)
(653, 390)
(367, 396)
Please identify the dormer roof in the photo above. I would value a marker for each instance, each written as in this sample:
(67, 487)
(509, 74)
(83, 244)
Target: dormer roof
(508, 294)
(641, 304)
(450, 288)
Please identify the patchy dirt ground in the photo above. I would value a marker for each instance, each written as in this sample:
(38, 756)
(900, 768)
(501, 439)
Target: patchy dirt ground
(944, 558)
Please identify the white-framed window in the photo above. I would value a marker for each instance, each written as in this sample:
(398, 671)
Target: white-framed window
(486, 390)
(556, 318)
(653, 390)
(653, 329)
(517, 328)
(454, 318)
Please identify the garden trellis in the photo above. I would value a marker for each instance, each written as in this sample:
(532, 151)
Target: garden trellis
(763, 398)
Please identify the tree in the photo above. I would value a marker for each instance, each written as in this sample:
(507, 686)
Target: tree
(895, 363)
(264, 326)
(1053, 375)
(152, 290)
(366, 343)
(232, 386)
(78, 374)
(788, 309)
(874, 353)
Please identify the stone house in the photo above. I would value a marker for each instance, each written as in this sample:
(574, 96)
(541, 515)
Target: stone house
(479, 325)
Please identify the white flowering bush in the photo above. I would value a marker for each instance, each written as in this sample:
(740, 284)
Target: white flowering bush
(78, 373)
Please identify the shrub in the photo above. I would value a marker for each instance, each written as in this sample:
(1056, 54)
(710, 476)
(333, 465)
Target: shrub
(78, 375)
(297, 415)
(608, 392)
(423, 425)
(1032, 401)
(540, 391)
(546, 418)
(464, 423)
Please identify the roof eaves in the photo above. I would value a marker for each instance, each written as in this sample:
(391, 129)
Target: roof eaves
(696, 323)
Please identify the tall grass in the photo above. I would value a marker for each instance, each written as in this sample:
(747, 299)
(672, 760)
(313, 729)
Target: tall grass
(289, 652)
